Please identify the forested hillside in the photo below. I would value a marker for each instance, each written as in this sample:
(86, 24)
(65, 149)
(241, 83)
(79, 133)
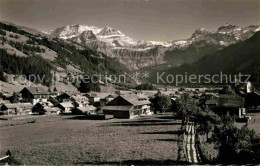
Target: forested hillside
(22, 53)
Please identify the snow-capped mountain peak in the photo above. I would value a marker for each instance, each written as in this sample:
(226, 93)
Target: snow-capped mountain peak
(200, 32)
(159, 43)
(70, 31)
(108, 31)
(116, 44)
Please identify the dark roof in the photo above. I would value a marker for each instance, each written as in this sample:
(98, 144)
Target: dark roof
(36, 90)
(133, 99)
(118, 108)
(226, 101)
(231, 102)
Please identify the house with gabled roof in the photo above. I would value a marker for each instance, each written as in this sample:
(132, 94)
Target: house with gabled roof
(65, 96)
(80, 101)
(50, 111)
(93, 98)
(34, 95)
(127, 106)
(38, 107)
(17, 108)
(66, 107)
(222, 103)
(87, 110)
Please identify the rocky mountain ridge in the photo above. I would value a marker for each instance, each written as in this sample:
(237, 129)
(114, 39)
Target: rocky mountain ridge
(136, 54)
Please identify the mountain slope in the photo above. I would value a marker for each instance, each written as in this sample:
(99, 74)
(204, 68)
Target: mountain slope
(23, 53)
(241, 57)
(136, 54)
(204, 42)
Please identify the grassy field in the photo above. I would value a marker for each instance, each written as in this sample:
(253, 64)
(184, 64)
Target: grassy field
(66, 140)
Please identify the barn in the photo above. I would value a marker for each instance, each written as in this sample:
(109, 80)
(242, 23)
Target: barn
(127, 107)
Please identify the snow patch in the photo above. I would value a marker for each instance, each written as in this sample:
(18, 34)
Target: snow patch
(165, 44)
(257, 29)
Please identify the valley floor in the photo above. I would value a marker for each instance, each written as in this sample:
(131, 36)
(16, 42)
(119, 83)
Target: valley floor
(66, 140)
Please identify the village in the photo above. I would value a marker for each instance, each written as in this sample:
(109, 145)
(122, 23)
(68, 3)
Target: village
(124, 104)
(37, 106)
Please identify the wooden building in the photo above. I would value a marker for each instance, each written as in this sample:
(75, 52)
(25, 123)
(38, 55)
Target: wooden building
(223, 103)
(17, 108)
(66, 107)
(34, 95)
(87, 110)
(127, 106)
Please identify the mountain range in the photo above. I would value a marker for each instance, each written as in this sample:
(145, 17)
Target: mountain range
(136, 54)
(239, 58)
(79, 49)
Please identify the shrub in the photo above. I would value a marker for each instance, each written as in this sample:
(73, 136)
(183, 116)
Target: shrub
(208, 153)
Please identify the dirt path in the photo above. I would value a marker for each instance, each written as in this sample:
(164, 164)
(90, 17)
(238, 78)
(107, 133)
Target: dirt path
(189, 144)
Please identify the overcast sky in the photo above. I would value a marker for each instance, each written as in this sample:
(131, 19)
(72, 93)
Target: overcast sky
(160, 20)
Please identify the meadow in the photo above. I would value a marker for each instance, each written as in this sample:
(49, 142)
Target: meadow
(71, 140)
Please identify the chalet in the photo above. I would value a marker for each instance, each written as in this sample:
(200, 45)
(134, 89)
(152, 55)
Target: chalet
(34, 95)
(4, 102)
(127, 106)
(17, 108)
(37, 108)
(223, 103)
(93, 98)
(89, 110)
(50, 111)
(80, 101)
(64, 97)
(66, 107)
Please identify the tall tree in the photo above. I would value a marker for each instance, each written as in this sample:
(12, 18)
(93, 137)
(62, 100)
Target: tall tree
(161, 103)
(185, 107)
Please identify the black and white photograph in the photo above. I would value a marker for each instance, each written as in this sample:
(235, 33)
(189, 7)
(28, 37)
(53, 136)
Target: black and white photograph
(129, 82)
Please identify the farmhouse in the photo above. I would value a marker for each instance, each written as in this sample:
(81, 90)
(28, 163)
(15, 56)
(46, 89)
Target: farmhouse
(66, 107)
(65, 97)
(127, 106)
(34, 95)
(89, 110)
(50, 111)
(17, 108)
(38, 108)
(93, 98)
(80, 101)
(223, 103)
